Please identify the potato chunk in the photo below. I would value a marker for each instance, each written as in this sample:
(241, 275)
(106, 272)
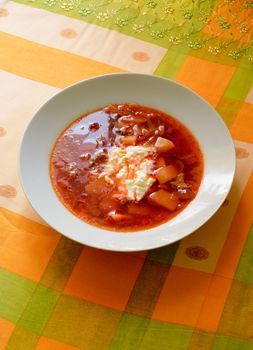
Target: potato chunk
(160, 162)
(166, 174)
(163, 145)
(97, 187)
(165, 199)
(139, 209)
(109, 204)
(118, 218)
(128, 140)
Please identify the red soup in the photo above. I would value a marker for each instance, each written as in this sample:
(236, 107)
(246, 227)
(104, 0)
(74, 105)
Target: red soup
(126, 167)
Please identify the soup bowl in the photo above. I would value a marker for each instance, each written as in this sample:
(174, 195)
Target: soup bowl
(159, 93)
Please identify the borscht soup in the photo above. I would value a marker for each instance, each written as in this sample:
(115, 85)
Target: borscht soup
(126, 167)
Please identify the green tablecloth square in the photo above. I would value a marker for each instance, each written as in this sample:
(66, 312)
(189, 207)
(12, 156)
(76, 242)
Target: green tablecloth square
(82, 324)
(15, 293)
(22, 339)
(164, 255)
(39, 309)
(244, 271)
(228, 343)
(163, 335)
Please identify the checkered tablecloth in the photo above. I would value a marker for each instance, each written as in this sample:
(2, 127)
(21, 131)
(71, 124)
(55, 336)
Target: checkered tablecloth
(56, 294)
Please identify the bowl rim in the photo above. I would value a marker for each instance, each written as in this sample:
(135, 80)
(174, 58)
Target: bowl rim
(159, 244)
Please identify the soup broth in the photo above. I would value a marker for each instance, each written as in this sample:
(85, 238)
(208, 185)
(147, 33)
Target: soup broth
(126, 167)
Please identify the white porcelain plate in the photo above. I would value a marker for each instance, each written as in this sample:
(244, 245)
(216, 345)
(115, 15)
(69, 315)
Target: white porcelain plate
(159, 93)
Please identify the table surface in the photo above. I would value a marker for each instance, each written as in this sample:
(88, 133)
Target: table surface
(56, 294)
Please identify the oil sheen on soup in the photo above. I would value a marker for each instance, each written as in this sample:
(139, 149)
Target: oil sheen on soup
(126, 167)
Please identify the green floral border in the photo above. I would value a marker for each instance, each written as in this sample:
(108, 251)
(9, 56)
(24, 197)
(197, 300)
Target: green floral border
(170, 24)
